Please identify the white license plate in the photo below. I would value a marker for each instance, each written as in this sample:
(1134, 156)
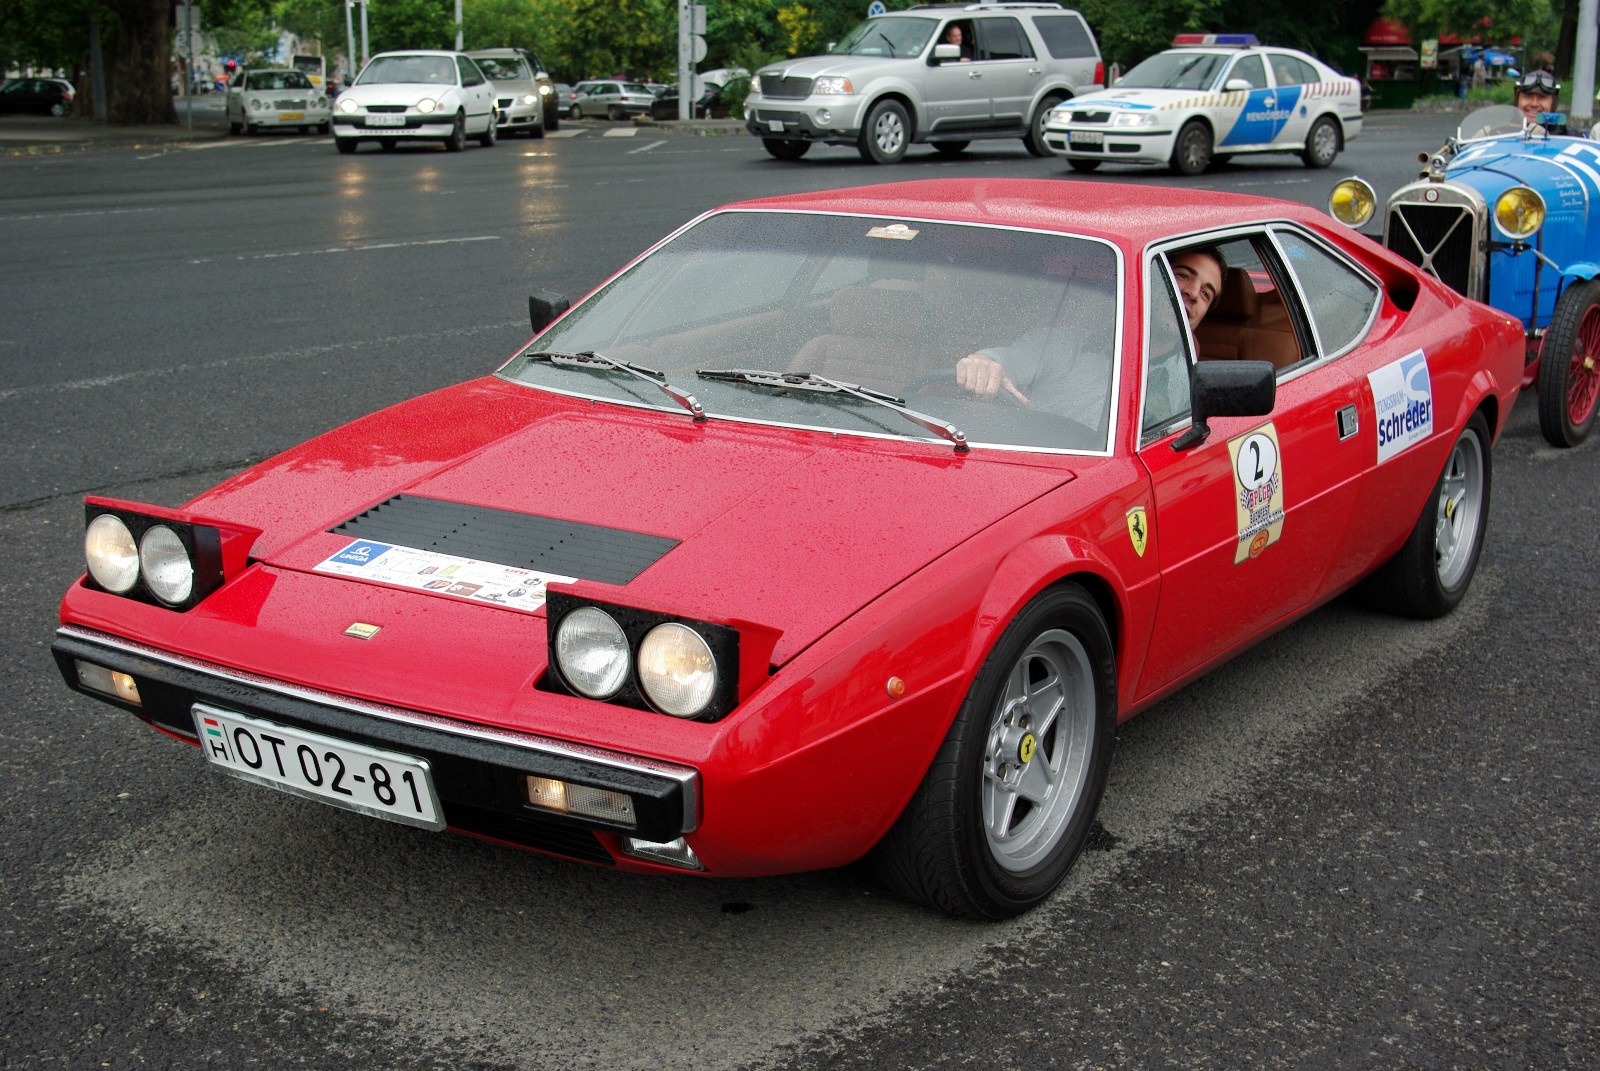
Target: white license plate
(380, 783)
(285, 117)
(1085, 137)
(776, 124)
(386, 120)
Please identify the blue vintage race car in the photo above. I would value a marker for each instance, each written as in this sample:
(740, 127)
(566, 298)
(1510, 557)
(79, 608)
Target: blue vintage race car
(1509, 214)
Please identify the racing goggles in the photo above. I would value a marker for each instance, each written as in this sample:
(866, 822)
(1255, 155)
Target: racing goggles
(1538, 82)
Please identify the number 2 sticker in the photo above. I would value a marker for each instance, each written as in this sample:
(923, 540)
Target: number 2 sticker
(1258, 490)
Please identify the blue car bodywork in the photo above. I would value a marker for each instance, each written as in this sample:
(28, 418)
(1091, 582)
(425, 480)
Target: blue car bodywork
(1508, 213)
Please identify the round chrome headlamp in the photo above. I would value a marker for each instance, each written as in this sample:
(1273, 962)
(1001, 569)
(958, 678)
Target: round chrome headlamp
(113, 557)
(592, 652)
(1352, 202)
(676, 670)
(1519, 212)
(168, 572)
(426, 106)
(348, 106)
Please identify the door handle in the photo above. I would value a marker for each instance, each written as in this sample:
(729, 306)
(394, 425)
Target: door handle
(974, 75)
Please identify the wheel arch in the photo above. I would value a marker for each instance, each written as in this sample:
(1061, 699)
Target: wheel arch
(907, 101)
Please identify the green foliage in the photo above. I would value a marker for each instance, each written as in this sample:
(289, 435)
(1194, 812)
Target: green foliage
(1535, 21)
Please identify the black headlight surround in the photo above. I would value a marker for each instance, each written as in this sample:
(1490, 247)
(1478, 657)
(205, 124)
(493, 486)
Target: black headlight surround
(635, 624)
(202, 543)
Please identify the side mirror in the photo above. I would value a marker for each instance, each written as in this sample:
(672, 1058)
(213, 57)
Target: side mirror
(1237, 85)
(943, 52)
(1227, 388)
(544, 307)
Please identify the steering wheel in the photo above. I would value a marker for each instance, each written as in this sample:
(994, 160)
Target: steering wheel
(941, 383)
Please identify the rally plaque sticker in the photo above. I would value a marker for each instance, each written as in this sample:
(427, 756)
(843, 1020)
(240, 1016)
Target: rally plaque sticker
(442, 574)
(1402, 396)
(1258, 490)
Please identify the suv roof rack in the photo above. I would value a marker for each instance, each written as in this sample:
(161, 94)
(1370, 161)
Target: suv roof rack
(1014, 6)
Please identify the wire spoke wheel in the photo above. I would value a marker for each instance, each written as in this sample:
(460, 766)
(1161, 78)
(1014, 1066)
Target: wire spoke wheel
(1569, 367)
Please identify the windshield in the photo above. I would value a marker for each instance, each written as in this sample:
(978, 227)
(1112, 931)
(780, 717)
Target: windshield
(1175, 70)
(309, 64)
(897, 37)
(278, 80)
(504, 70)
(436, 70)
(1492, 122)
(884, 305)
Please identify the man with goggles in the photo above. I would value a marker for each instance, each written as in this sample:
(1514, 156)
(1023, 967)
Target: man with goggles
(1536, 98)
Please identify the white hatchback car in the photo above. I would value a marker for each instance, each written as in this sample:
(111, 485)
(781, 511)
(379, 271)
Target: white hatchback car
(426, 95)
(275, 97)
(1212, 96)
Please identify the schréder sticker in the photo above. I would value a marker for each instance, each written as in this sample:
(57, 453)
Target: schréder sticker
(1402, 395)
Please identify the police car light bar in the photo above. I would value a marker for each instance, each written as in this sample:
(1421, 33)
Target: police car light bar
(1237, 40)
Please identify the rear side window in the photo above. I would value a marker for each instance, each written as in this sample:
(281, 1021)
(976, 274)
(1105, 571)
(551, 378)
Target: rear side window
(1066, 37)
(1002, 39)
(1342, 301)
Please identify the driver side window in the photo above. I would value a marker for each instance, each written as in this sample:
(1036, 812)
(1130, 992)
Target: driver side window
(1166, 371)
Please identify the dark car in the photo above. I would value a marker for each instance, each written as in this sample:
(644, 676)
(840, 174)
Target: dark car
(709, 105)
(43, 96)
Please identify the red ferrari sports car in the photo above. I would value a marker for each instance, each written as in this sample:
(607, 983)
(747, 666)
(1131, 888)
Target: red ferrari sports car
(731, 570)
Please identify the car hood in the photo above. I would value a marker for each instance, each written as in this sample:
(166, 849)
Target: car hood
(1138, 99)
(788, 529)
(406, 93)
(816, 66)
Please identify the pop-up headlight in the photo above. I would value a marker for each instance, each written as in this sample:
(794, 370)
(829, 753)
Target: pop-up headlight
(158, 555)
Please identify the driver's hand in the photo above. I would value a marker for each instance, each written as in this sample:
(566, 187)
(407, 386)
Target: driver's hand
(982, 375)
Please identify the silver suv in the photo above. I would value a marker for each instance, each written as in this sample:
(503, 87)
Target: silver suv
(945, 74)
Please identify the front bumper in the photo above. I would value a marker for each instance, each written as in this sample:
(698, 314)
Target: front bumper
(1116, 145)
(355, 126)
(831, 119)
(516, 116)
(480, 773)
(288, 117)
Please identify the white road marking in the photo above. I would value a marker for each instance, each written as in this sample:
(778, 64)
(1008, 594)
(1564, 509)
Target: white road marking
(625, 132)
(350, 249)
(646, 148)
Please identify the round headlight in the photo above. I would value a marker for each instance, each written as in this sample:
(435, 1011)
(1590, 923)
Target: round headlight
(109, 549)
(1520, 212)
(1352, 202)
(347, 106)
(529, 98)
(168, 572)
(677, 670)
(426, 106)
(592, 652)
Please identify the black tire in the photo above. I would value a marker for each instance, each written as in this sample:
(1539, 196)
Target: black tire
(233, 127)
(615, 114)
(492, 134)
(950, 148)
(457, 141)
(387, 144)
(1569, 367)
(552, 119)
(1083, 167)
(251, 130)
(1431, 572)
(323, 128)
(1191, 153)
(537, 131)
(307, 129)
(345, 145)
(886, 133)
(786, 148)
(1033, 141)
(1322, 143)
(971, 842)
(575, 112)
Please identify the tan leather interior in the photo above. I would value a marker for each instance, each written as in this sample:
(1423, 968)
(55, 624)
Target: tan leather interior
(1244, 325)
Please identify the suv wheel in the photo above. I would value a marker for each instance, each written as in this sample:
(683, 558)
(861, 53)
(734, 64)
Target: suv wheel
(1035, 137)
(886, 133)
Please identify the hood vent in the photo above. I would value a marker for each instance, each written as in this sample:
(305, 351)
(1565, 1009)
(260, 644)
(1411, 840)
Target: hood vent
(519, 540)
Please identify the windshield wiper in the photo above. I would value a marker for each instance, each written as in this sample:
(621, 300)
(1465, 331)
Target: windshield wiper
(809, 381)
(592, 359)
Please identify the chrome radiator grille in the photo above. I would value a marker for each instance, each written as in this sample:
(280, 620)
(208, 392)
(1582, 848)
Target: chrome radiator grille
(780, 88)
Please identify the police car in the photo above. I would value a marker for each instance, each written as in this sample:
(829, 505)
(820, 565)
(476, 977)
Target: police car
(1204, 100)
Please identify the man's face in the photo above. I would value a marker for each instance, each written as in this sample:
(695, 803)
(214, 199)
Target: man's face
(952, 35)
(1535, 104)
(1199, 278)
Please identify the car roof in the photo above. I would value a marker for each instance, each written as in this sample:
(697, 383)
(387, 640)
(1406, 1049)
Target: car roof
(1132, 216)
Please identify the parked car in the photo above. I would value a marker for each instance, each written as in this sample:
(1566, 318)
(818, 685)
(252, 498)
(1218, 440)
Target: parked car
(421, 95)
(609, 99)
(1509, 214)
(1208, 99)
(43, 96)
(520, 96)
(895, 80)
(276, 97)
(709, 105)
(723, 573)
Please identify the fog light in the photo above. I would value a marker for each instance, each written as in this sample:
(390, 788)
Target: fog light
(824, 117)
(672, 852)
(563, 797)
(107, 681)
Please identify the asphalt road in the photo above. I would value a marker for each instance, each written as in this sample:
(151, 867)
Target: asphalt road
(1365, 843)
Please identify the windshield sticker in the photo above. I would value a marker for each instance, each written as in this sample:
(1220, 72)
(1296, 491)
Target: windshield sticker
(897, 231)
(442, 574)
(1402, 396)
(1258, 490)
